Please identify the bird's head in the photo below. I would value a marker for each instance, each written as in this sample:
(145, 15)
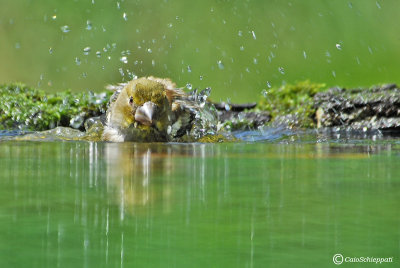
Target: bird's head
(143, 103)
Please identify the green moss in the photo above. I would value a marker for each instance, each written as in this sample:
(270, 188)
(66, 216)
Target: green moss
(294, 99)
(29, 108)
(237, 124)
(215, 138)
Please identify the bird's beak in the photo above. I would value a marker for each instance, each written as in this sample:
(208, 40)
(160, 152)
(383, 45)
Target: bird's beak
(145, 113)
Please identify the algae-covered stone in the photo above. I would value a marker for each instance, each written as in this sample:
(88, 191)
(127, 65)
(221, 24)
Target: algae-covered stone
(292, 104)
(27, 108)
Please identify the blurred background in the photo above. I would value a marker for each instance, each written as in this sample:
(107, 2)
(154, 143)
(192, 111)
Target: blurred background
(238, 48)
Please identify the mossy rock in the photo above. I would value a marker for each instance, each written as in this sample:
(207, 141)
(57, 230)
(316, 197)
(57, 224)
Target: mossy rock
(27, 108)
(292, 99)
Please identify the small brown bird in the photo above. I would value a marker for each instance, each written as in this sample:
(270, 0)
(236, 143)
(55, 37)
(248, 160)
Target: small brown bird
(152, 109)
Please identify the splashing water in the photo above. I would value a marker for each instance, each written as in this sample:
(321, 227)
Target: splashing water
(65, 29)
(221, 66)
(254, 35)
(88, 25)
(205, 115)
(86, 51)
(124, 59)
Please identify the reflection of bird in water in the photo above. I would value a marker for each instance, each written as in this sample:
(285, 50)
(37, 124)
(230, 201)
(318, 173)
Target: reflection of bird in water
(141, 173)
(153, 109)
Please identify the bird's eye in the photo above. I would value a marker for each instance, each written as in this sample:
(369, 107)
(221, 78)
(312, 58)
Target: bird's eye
(131, 100)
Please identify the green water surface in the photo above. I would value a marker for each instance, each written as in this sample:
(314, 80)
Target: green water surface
(80, 204)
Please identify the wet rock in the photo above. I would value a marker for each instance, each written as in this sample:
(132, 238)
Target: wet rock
(243, 120)
(234, 107)
(373, 108)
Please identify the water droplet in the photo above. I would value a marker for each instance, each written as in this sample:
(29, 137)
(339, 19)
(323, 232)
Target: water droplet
(281, 70)
(227, 107)
(153, 63)
(84, 74)
(328, 54)
(241, 48)
(370, 49)
(88, 25)
(65, 29)
(118, 5)
(76, 122)
(149, 50)
(264, 93)
(254, 35)
(50, 50)
(268, 84)
(221, 66)
(93, 2)
(17, 45)
(378, 5)
(339, 46)
(201, 77)
(54, 17)
(77, 61)
(255, 61)
(334, 74)
(124, 59)
(121, 72)
(125, 16)
(350, 5)
(189, 69)
(98, 54)
(304, 54)
(86, 51)
(189, 86)
(240, 33)
(125, 52)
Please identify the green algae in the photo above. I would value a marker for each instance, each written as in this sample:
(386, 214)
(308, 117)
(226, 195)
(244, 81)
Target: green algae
(216, 139)
(292, 99)
(28, 108)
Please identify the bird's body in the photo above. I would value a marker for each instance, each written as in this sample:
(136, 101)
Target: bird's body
(151, 109)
